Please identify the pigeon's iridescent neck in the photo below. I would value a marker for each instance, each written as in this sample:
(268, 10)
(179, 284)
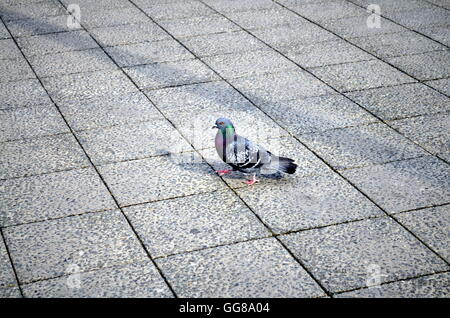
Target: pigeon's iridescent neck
(229, 130)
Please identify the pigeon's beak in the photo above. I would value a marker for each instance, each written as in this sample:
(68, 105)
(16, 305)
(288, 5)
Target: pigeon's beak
(215, 126)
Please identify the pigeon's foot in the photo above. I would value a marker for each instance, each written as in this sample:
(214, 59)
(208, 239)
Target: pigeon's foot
(252, 182)
(223, 172)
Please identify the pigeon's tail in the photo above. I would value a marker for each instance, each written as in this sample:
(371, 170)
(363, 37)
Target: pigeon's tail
(286, 165)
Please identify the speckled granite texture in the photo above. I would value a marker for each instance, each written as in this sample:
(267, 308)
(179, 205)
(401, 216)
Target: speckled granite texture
(107, 161)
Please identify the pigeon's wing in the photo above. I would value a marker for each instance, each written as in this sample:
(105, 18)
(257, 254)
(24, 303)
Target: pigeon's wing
(244, 154)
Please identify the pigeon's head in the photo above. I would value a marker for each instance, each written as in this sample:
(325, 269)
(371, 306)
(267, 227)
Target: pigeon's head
(223, 124)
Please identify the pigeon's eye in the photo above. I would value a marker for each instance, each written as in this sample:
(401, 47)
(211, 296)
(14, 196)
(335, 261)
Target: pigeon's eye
(221, 123)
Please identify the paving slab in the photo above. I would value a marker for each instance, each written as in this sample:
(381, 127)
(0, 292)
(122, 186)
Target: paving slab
(419, 18)
(146, 3)
(135, 141)
(431, 132)
(361, 75)
(177, 10)
(148, 53)
(439, 33)
(444, 155)
(88, 85)
(264, 19)
(140, 181)
(302, 33)
(4, 34)
(315, 114)
(397, 44)
(223, 43)
(431, 226)
(15, 70)
(165, 74)
(35, 10)
(228, 6)
(51, 196)
(9, 50)
(269, 88)
(23, 93)
(325, 53)
(129, 34)
(140, 84)
(401, 101)
(65, 246)
(29, 27)
(194, 222)
(10, 292)
(327, 10)
(361, 146)
(362, 253)
(71, 62)
(196, 26)
(7, 277)
(441, 3)
(139, 280)
(106, 111)
(395, 5)
(28, 122)
(308, 163)
(426, 66)
(107, 18)
(258, 268)
(307, 202)
(203, 104)
(430, 286)
(56, 43)
(11, 3)
(404, 185)
(352, 27)
(94, 5)
(40, 155)
(249, 63)
(442, 85)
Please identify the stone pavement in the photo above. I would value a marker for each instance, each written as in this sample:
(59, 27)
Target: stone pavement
(107, 182)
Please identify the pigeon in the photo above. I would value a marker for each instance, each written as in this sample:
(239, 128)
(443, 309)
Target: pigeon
(245, 156)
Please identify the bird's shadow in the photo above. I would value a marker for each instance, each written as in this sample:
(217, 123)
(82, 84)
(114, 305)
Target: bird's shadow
(206, 166)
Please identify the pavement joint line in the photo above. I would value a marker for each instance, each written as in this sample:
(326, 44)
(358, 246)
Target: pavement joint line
(92, 164)
(393, 85)
(322, 159)
(16, 277)
(60, 53)
(34, 137)
(226, 184)
(394, 281)
(393, 21)
(144, 89)
(106, 185)
(216, 245)
(180, 134)
(128, 124)
(241, 93)
(91, 270)
(300, 142)
(342, 93)
(436, 5)
(373, 58)
(353, 44)
(172, 198)
(382, 163)
(59, 217)
(285, 233)
(45, 173)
